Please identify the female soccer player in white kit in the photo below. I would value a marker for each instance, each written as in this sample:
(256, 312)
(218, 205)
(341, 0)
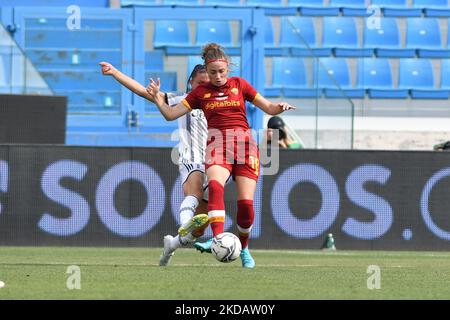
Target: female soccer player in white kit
(193, 135)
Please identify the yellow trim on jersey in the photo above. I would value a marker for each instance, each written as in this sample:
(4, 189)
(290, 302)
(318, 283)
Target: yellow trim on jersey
(186, 104)
(257, 95)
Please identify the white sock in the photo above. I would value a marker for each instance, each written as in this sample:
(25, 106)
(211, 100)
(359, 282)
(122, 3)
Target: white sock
(187, 208)
(189, 238)
(178, 241)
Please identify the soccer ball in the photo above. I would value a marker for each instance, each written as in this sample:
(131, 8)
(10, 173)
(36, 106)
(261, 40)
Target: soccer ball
(226, 247)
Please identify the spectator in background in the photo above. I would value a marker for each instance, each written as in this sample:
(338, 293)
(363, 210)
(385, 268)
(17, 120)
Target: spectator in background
(285, 139)
(444, 146)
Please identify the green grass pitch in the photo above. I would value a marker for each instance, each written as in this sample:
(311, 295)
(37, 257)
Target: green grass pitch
(133, 273)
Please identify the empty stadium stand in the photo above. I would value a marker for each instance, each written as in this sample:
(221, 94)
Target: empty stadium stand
(385, 39)
(341, 35)
(424, 34)
(290, 77)
(417, 75)
(334, 78)
(298, 34)
(397, 8)
(376, 77)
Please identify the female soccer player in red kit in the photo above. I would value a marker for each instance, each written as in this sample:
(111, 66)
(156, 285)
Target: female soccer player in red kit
(231, 148)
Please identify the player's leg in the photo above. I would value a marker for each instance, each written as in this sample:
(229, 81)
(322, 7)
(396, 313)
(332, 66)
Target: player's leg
(190, 219)
(192, 178)
(206, 246)
(246, 176)
(245, 216)
(217, 176)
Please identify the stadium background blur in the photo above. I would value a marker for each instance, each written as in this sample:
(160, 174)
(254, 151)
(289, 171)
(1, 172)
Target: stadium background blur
(370, 79)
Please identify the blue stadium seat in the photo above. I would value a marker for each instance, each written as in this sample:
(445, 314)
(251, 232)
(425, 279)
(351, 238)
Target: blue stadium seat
(57, 3)
(69, 58)
(445, 74)
(154, 60)
(289, 76)
(334, 79)
(89, 24)
(430, 3)
(78, 79)
(46, 38)
(417, 75)
(375, 76)
(173, 36)
(270, 49)
(314, 8)
(168, 80)
(390, 3)
(192, 62)
(341, 35)
(225, 3)
(68, 61)
(385, 39)
(307, 3)
(349, 3)
(299, 34)
(272, 7)
(215, 31)
(85, 89)
(91, 100)
(275, 3)
(424, 34)
(351, 7)
(129, 3)
(433, 8)
(397, 8)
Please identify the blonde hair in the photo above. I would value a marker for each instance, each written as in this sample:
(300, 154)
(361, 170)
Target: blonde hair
(214, 52)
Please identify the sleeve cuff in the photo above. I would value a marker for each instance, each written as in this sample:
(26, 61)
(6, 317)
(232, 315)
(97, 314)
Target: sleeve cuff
(257, 95)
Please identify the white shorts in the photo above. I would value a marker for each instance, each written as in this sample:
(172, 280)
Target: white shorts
(187, 168)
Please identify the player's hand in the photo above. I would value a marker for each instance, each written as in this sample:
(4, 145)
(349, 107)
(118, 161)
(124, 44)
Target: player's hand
(153, 89)
(286, 106)
(107, 68)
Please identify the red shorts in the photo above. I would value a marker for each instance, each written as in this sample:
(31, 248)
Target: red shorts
(240, 160)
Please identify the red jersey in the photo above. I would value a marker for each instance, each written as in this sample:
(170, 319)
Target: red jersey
(224, 106)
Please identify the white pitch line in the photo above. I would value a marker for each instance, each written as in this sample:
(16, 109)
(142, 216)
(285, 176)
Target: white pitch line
(318, 252)
(183, 265)
(258, 266)
(272, 266)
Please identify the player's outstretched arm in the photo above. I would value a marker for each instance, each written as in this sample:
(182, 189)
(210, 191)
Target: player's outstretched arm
(131, 84)
(271, 107)
(169, 113)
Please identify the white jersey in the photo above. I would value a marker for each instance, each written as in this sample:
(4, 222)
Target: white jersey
(193, 130)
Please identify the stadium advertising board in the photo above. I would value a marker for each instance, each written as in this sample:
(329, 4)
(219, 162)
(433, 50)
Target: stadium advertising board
(86, 196)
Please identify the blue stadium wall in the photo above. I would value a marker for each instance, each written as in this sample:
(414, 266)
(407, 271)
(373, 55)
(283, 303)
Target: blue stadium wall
(90, 196)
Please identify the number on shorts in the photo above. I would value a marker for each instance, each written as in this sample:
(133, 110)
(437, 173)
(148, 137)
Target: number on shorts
(254, 164)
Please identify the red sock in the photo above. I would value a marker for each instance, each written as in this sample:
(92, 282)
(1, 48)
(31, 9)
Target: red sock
(216, 207)
(245, 218)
